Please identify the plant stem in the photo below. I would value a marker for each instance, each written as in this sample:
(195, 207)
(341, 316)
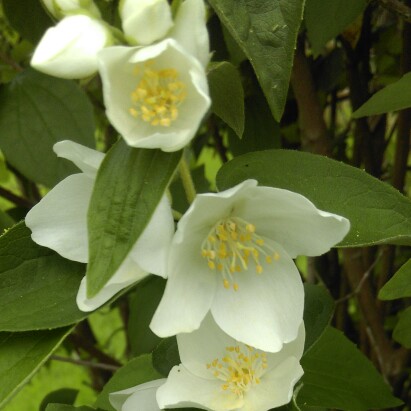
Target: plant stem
(187, 180)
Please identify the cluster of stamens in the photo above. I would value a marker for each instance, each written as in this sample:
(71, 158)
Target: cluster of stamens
(232, 245)
(239, 369)
(157, 96)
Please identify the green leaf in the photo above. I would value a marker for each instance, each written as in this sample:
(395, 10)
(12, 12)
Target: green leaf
(37, 111)
(166, 356)
(21, 355)
(399, 285)
(266, 30)
(62, 396)
(28, 18)
(227, 95)
(65, 407)
(395, 96)
(130, 183)
(402, 331)
(378, 213)
(138, 371)
(338, 375)
(5, 221)
(38, 288)
(318, 311)
(326, 19)
(143, 303)
(261, 131)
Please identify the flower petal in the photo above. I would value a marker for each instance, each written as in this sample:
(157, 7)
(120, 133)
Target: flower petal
(276, 387)
(59, 220)
(184, 389)
(128, 273)
(189, 291)
(69, 50)
(146, 21)
(293, 221)
(141, 396)
(190, 30)
(202, 346)
(86, 159)
(267, 309)
(151, 250)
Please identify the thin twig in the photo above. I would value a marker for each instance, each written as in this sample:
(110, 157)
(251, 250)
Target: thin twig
(18, 201)
(6, 59)
(361, 283)
(90, 364)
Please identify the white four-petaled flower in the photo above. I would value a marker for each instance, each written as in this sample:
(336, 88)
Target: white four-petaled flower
(219, 373)
(232, 255)
(59, 222)
(155, 96)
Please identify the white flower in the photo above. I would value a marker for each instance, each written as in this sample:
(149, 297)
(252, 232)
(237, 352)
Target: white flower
(146, 21)
(232, 255)
(141, 397)
(69, 50)
(59, 222)
(59, 8)
(221, 374)
(155, 96)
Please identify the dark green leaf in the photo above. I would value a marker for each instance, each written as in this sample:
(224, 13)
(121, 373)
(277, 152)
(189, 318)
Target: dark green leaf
(338, 375)
(21, 355)
(135, 372)
(378, 213)
(37, 287)
(143, 303)
(37, 111)
(395, 96)
(227, 95)
(399, 285)
(5, 221)
(266, 30)
(325, 19)
(402, 331)
(166, 356)
(128, 188)
(318, 310)
(62, 396)
(261, 131)
(28, 18)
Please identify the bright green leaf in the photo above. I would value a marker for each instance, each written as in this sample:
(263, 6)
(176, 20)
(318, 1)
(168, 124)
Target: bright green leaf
(402, 331)
(399, 285)
(21, 355)
(318, 310)
(28, 18)
(37, 111)
(135, 372)
(37, 287)
(378, 213)
(337, 375)
(5, 221)
(166, 356)
(129, 185)
(65, 407)
(266, 30)
(326, 19)
(227, 95)
(395, 96)
(143, 303)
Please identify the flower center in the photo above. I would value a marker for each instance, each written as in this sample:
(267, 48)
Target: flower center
(157, 95)
(232, 246)
(239, 369)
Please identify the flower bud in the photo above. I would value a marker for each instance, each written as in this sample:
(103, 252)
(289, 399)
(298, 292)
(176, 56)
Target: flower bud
(69, 50)
(146, 21)
(61, 8)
